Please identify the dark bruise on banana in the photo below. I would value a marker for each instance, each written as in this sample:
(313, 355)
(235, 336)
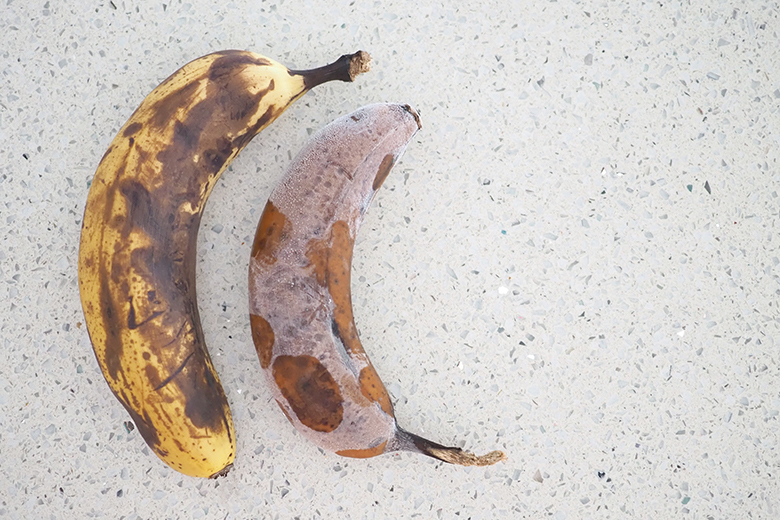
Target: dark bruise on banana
(139, 237)
(299, 289)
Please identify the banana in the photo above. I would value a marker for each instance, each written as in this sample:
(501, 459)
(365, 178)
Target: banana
(138, 244)
(299, 290)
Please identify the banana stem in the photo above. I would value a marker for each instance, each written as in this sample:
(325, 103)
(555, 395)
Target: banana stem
(410, 442)
(346, 68)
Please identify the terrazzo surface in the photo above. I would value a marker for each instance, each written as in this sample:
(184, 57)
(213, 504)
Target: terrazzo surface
(575, 262)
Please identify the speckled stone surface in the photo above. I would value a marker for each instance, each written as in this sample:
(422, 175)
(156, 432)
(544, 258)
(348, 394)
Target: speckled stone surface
(576, 261)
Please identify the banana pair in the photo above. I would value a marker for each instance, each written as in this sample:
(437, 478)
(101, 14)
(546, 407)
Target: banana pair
(138, 249)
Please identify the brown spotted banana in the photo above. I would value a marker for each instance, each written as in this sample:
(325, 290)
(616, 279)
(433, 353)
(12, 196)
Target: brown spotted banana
(300, 300)
(138, 244)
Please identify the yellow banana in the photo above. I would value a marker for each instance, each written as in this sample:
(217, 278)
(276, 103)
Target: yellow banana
(139, 235)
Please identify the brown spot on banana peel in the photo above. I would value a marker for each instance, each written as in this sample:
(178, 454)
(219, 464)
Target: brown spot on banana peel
(299, 281)
(311, 391)
(373, 388)
(113, 346)
(331, 261)
(139, 236)
(270, 232)
(230, 61)
(132, 128)
(364, 453)
(263, 338)
(383, 171)
(339, 256)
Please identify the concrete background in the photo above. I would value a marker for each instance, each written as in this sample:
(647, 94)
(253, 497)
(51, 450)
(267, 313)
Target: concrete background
(576, 261)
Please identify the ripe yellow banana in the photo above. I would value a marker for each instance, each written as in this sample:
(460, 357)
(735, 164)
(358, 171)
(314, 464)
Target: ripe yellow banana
(300, 302)
(138, 241)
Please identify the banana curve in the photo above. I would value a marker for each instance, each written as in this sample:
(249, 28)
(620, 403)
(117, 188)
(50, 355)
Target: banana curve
(139, 235)
(299, 287)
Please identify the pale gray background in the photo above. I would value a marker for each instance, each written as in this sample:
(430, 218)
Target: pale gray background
(544, 272)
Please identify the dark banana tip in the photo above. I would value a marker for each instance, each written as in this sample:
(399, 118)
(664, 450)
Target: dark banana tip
(222, 473)
(415, 115)
(410, 442)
